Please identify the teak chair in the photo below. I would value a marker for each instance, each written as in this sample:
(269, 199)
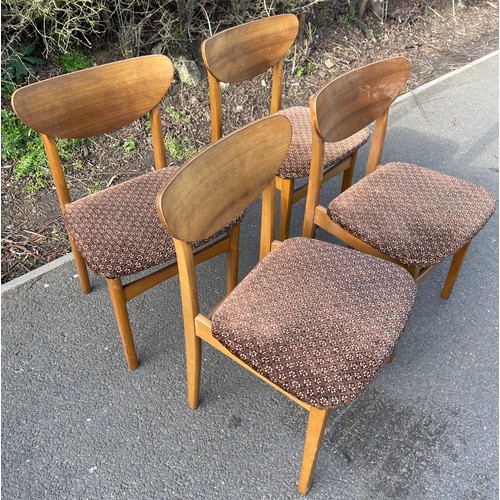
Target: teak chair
(314, 320)
(116, 231)
(245, 51)
(405, 213)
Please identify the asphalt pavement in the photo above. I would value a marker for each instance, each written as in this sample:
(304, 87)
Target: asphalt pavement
(76, 424)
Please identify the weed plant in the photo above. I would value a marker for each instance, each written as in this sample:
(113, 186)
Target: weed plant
(180, 150)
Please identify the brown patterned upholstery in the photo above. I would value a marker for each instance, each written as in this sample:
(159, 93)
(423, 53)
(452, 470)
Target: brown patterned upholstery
(297, 162)
(118, 231)
(317, 319)
(415, 215)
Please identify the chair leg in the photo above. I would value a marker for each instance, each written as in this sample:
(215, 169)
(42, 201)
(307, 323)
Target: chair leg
(81, 266)
(314, 435)
(232, 257)
(122, 320)
(455, 266)
(348, 174)
(193, 368)
(285, 207)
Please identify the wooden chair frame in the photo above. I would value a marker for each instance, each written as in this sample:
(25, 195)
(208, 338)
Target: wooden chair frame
(242, 184)
(44, 106)
(329, 126)
(265, 43)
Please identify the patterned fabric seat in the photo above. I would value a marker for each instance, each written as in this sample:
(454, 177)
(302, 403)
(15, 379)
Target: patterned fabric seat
(321, 339)
(417, 216)
(297, 163)
(118, 230)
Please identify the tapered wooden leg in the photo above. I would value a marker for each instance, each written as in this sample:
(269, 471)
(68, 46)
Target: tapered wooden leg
(314, 435)
(455, 266)
(190, 309)
(122, 320)
(285, 207)
(348, 174)
(232, 259)
(81, 266)
(193, 366)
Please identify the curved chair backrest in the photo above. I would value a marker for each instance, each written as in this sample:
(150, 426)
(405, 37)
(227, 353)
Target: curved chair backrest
(245, 51)
(222, 180)
(357, 98)
(96, 100)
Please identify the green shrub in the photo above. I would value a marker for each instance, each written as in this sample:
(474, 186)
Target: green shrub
(20, 63)
(24, 146)
(139, 26)
(17, 65)
(76, 60)
(53, 25)
(15, 136)
(33, 166)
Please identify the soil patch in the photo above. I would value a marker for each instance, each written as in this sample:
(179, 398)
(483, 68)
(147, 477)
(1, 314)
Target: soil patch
(427, 33)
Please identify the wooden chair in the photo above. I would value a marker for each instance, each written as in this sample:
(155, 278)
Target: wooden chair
(401, 212)
(116, 231)
(245, 51)
(314, 320)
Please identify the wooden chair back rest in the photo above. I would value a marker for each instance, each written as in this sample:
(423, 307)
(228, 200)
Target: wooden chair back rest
(96, 100)
(354, 100)
(222, 180)
(245, 51)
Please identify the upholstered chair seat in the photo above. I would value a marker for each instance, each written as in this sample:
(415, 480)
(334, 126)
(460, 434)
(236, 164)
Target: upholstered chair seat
(417, 216)
(117, 230)
(297, 163)
(318, 338)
